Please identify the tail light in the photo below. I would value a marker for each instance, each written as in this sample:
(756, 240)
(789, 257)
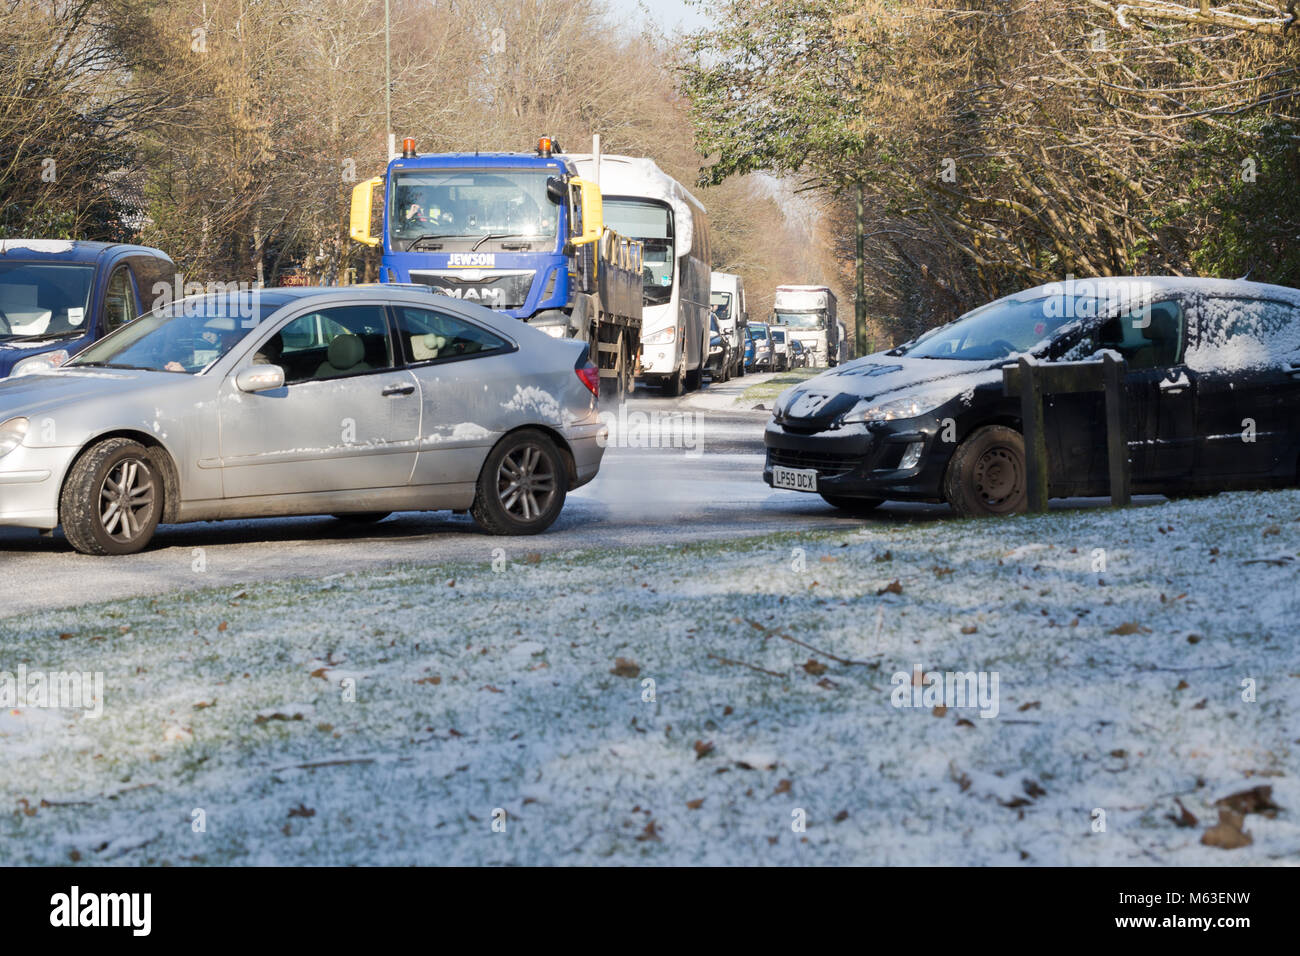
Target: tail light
(590, 376)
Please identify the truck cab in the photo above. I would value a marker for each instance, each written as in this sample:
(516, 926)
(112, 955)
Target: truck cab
(57, 297)
(509, 231)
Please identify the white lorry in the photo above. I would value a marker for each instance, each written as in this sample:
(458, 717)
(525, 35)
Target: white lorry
(732, 312)
(808, 312)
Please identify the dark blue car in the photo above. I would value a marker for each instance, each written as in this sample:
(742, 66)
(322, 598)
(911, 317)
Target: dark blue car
(57, 297)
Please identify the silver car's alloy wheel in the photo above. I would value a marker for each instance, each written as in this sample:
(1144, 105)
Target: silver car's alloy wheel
(525, 482)
(126, 500)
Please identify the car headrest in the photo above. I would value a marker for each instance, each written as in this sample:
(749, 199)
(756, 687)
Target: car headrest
(346, 351)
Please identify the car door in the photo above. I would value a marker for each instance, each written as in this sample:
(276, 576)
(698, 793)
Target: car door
(347, 418)
(457, 363)
(1159, 404)
(1247, 355)
(1159, 392)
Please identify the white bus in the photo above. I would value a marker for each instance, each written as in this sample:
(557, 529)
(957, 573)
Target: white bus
(643, 202)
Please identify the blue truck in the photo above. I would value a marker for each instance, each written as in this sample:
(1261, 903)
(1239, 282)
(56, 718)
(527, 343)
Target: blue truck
(520, 233)
(57, 297)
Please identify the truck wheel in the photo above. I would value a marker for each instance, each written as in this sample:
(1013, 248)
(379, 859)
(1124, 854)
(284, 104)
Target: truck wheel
(694, 378)
(987, 474)
(522, 486)
(112, 499)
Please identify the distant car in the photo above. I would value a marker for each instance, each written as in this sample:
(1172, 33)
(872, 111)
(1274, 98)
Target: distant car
(798, 354)
(1211, 399)
(760, 332)
(721, 362)
(354, 402)
(56, 297)
(780, 348)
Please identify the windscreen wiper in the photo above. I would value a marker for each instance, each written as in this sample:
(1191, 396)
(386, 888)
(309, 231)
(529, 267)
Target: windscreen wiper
(499, 235)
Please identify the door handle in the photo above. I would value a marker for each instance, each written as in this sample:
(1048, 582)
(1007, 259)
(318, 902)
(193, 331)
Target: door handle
(398, 390)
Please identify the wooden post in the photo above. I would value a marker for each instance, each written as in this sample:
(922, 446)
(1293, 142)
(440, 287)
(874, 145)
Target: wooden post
(1116, 433)
(1031, 414)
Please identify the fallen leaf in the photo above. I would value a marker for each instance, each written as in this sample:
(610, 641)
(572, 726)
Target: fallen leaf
(703, 748)
(1255, 800)
(625, 668)
(302, 810)
(1184, 817)
(694, 804)
(1227, 834)
(1131, 627)
(893, 587)
(783, 787)
(814, 667)
(969, 629)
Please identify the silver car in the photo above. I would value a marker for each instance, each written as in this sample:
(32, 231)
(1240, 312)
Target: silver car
(354, 402)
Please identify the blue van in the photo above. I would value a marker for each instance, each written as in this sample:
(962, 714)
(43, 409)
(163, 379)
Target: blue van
(57, 296)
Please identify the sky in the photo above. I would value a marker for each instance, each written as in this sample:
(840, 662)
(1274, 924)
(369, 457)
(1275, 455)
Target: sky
(669, 14)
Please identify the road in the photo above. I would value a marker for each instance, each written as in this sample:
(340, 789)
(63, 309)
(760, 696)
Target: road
(706, 484)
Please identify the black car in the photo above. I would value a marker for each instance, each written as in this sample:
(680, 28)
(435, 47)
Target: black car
(1211, 398)
(721, 360)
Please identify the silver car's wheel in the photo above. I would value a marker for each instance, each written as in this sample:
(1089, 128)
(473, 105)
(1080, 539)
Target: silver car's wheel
(522, 487)
(526, 482)
(112, 499)
(126, 500)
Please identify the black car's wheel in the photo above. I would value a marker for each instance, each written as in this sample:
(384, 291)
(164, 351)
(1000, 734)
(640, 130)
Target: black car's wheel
(363, 517)
(854, 506)
(112, 499)
(987, 474)
(674, 385)
(522, 486)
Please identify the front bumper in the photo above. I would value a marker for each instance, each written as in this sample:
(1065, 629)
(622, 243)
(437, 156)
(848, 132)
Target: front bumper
(862, 461)
(30, 479)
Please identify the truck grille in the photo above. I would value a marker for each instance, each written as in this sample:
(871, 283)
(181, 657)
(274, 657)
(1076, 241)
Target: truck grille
(827, 464)
(499, 291)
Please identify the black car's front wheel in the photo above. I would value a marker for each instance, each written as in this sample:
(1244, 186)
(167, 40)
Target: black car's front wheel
(522, 486)
(112, 499)
(987, 474)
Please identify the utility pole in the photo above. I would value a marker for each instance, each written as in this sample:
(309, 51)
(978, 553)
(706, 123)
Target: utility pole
(388, 87)
(860, 292)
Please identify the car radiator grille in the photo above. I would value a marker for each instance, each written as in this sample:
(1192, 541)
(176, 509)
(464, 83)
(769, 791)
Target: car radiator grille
(828, 465)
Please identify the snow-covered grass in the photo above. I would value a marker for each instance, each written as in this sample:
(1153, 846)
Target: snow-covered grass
(770, 388)
(482, 688)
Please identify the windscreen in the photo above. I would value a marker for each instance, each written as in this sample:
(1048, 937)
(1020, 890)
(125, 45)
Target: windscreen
(40, 300)
(652, 223)
(465, 203)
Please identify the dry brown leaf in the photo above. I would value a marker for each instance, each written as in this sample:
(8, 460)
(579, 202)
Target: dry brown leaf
(625, 668)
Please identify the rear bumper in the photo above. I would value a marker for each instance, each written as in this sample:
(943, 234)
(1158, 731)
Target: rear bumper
(587, 443)
(857, 461)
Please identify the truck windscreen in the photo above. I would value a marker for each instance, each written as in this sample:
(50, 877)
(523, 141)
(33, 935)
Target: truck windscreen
(721, 304)
(801, 320)
(652, 223)
(471, 203)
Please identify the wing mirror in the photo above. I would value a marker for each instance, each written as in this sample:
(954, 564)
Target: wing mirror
(555, 190)
(259, 378)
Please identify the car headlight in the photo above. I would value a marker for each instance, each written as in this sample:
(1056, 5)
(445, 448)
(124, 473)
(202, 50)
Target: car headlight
(12, 434)
(909, 406)
(40, 363)
(663, 337)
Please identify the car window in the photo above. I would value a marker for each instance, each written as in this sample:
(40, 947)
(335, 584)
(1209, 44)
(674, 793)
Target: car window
(1235, 333)
(429, 336)
(330, 343)
(1150, 337)
(119, 301)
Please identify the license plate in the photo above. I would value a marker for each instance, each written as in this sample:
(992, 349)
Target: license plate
(796, 479)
